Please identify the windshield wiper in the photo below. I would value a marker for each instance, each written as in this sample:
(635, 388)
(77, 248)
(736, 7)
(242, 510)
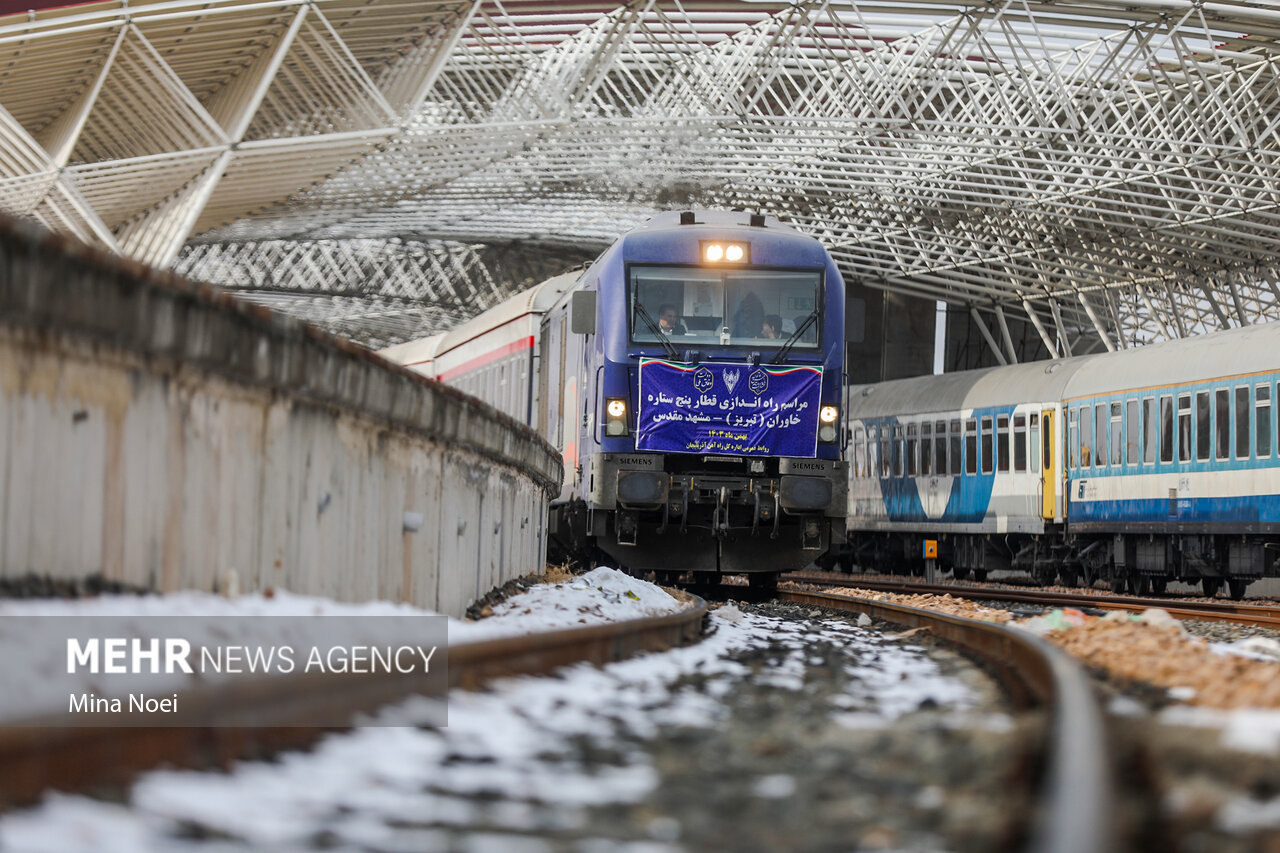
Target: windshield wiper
(785, 349)
(657, 330)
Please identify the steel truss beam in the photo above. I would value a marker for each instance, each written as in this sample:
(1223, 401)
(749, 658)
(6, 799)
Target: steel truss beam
(1111, 167)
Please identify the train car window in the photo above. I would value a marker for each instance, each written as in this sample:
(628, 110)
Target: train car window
(1100, 434)
(1150, 434)
(1166, 428)
(988, 451)
(1222, 422)
(1020, 442)
(897, 451)
(913, 451)
(1114, 435)
(955, 447)
(886, 457)
(859, 452)
(1033, 442)
(940, 447)
(1204, 436)
(1073, 439)
(1242, 422)
(1002, 443)
(1132, 433)
(926, 448)
(970, 446)
(1262, 421)
(1184, 427)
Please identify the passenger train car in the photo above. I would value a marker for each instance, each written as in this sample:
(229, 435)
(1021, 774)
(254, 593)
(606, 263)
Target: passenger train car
(1137, 467)
(692, 379)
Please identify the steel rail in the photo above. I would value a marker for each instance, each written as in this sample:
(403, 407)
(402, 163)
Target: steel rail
(1260, 615)
(1078, 780)
(272, 714)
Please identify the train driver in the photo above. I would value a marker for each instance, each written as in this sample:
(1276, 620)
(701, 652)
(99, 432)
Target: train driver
(771, 327)
(669, 320)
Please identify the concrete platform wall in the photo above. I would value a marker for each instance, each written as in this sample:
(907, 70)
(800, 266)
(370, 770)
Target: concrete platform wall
(170, 437)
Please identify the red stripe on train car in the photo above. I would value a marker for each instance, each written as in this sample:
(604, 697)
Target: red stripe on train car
(482, 360)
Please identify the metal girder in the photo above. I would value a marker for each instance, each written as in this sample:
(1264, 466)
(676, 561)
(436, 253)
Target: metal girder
(1113, 163)
(379, 292)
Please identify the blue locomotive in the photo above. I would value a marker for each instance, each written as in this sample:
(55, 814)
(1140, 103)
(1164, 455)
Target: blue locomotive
(1137, 467)
(692, 377)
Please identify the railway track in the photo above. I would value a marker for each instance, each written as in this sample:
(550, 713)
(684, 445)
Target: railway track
(1264, 616)
(1074, 779)
(35, 758)
(1078, 781)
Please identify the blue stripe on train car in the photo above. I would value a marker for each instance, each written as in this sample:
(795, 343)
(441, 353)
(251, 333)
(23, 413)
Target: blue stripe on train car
(970, 493)
(967, 503)
(1240, 509)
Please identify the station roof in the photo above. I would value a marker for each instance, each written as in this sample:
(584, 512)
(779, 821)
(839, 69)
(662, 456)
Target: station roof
(1106, 170)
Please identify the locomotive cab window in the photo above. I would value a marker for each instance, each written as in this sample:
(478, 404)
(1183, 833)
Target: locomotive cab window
(702, 308)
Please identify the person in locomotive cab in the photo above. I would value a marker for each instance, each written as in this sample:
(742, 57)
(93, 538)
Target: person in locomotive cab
(669, 320)
(771, 327)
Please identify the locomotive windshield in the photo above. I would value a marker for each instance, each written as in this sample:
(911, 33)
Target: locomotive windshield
(700, 307)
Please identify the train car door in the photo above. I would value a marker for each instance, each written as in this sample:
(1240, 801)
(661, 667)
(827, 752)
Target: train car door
(1049, 468)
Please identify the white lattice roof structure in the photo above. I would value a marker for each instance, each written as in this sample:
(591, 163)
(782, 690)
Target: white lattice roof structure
(1111, 166)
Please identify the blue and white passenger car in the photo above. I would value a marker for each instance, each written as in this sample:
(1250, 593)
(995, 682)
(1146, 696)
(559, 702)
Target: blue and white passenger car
(1141, 466)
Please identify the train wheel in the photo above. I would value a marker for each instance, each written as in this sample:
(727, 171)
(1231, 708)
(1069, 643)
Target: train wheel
(1069, 577)
(1044, 575)
(1158, 585)
(1140, 584)
(1117, 583)
(1211, 586)
(980, 575)
(762, 580)
(1236, 588)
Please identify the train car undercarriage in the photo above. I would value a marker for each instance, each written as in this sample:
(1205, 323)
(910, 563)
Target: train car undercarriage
(1140, 563)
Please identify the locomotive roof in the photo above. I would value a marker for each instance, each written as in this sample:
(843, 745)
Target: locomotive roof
(1227, 353)
(717, 218)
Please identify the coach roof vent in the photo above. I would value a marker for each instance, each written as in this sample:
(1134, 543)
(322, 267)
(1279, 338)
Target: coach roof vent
(757, 220)
(686, 217)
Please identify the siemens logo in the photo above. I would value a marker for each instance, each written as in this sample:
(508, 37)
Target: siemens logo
(808, 466)
(638, 461)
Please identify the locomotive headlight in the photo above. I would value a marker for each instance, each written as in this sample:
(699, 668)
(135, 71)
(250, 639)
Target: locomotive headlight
(827, 432)
(615, 416)
(731, 252)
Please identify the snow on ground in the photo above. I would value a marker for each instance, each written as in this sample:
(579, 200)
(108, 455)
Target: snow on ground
(601, 595)
(511, 759)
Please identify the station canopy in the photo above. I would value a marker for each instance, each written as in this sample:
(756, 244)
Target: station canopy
(1106, 171)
